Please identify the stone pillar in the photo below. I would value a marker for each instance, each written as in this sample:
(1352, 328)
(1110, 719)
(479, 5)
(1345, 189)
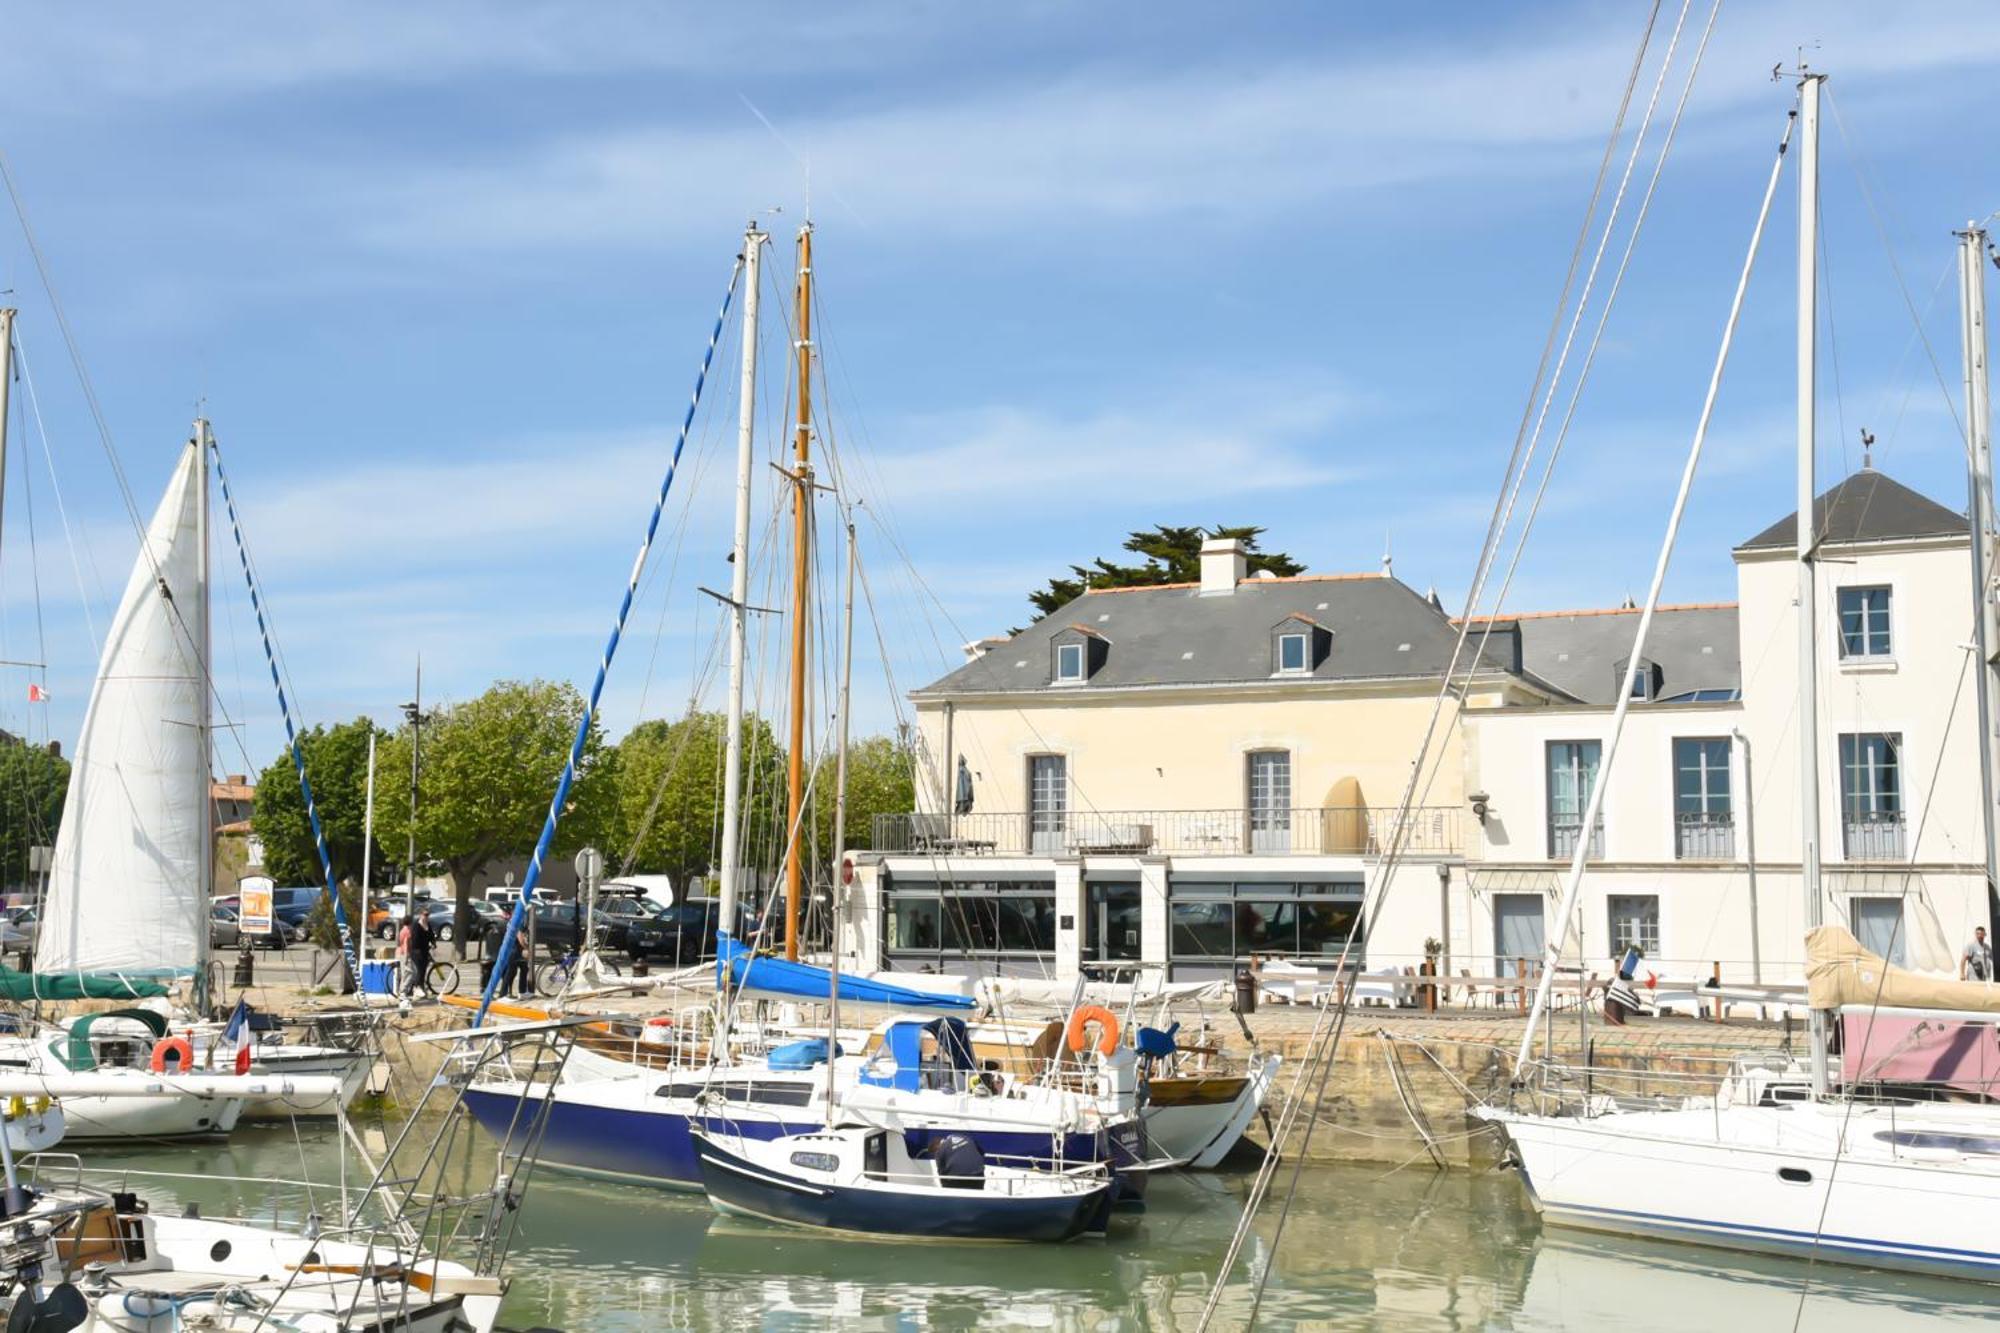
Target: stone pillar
(1069, 918)
(1153, 913)
(861, 922)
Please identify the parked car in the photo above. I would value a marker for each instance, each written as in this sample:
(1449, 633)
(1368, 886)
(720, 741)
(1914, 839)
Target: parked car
(225, 930)
(293, 905)
(685, 932)
(393, 903)
(442, 916)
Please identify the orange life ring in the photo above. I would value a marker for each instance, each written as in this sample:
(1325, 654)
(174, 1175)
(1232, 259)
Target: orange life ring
(179, 1046)
(1107, 1029)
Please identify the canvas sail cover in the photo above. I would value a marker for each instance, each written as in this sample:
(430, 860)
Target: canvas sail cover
(127, 882)
(1840, 972)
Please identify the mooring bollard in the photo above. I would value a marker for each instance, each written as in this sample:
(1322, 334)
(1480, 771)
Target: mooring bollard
(1718, 984)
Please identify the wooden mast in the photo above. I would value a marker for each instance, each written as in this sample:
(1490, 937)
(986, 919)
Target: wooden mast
(801, 577)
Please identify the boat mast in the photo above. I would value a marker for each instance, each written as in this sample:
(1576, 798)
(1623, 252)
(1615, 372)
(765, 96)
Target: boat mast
(1979, 511)
(802, 485)
(6, 382)
(739, 594)
(204, 718)
(1808, 603)
(840, 750)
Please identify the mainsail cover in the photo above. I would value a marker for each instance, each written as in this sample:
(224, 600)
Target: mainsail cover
(126, 882)
(1840, 972)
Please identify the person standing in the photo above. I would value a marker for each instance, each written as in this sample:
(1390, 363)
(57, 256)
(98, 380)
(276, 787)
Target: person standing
(1976, 963)
(519, 980)
(417, 942)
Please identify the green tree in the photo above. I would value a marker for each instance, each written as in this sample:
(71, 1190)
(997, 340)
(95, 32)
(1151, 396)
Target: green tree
(881, 780)
(669, 806)
(33, 783)
(489, 769)
(1171, 555)
(336, 761)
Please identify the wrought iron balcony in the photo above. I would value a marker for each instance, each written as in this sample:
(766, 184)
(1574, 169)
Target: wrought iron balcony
(1705, 837)
(1313, 830)
(1876, 836)
(1563, 831)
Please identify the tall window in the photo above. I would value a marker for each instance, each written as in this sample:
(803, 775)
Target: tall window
(1048, 802)
(1878, 925)
(1069, 661)
(1270, 782)
(1517, 932)
(1635, 920)
(1572, 775)
(1292, 653)
(1871, 796)
(1864, 622)
(1704, 828)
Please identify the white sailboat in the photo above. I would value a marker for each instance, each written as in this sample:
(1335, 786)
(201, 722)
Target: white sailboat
(1780, 1160)
(127, 905)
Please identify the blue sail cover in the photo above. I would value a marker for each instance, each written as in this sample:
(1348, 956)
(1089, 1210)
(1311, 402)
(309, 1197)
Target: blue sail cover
(803, 981)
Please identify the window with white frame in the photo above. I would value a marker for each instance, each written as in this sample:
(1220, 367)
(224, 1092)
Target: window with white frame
(1270, 790)
(1635, 923)
(1572, 772)
(1293, 654)
(1864, 623)
(1069, 662)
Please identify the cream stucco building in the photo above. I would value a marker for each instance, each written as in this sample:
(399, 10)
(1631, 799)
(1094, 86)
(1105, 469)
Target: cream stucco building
(1186, 776)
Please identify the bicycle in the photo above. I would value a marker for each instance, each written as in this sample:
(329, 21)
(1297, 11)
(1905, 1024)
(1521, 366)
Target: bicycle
(554, 978)
(440, 979)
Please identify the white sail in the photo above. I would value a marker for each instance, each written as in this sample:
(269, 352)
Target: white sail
(126, 887)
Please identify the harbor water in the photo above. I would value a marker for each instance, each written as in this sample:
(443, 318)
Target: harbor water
(1365, 1247)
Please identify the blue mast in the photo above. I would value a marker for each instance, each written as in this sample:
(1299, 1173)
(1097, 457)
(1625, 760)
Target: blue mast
(504, 958)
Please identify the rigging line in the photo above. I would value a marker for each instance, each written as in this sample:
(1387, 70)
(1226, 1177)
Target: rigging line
(1910, 386)
(69, 341)
(584, 723)
(348, 945)
(83, 590)
(1824, 268)
(1594, 804)
(691, 723)
(1858, 163)
(1402, 833)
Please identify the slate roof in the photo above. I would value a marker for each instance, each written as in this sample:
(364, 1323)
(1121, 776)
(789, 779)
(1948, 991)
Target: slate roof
(1868, 506)
(1171, 635)
(1579, 652)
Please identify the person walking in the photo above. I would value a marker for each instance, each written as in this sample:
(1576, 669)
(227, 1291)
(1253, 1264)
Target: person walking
(417, 942)
(1976, 963)
(520, 978)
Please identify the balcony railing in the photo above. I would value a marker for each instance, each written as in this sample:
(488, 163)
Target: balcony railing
(1873, 837)
(1705, 837)
(1563, 831)
(1317, 830)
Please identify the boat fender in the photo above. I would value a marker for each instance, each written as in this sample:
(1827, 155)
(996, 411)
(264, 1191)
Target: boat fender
(179, 1047)
(1076, 1038)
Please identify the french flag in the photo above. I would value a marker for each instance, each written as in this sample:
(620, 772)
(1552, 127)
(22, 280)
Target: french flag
(238, 1032)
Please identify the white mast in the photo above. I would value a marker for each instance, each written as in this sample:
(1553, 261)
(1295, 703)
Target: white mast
(1808, 603)
(739, 589)
(840, 753)
(6, 382)
(1979, 510)
(367, 849)
(204, 714)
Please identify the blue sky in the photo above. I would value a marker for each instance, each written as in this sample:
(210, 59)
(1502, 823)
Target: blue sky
(442, 274)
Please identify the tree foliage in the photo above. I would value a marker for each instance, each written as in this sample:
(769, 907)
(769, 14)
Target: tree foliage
(33, 783)
(489, 768)
(1171, 555)
(336, 760)
(881, 779)
(669, 804)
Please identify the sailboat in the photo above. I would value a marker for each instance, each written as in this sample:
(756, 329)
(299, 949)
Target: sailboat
(1781, 1160)
(126, 913)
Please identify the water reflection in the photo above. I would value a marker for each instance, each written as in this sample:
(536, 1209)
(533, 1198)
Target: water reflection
(1363, 1249)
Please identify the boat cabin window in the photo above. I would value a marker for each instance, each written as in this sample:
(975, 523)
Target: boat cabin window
(815, 1161)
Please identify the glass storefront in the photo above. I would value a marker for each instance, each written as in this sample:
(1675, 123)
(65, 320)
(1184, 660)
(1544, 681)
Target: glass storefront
(965, 926)
(1217, 924)
(1111, 921)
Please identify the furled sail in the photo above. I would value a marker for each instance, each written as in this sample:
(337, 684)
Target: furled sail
(1840, 972)
(126, 885)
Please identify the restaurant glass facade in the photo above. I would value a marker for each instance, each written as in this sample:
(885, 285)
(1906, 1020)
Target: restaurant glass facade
(978, 927)
(1216, 924)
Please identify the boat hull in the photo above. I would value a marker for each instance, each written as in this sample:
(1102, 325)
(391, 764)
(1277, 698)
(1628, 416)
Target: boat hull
(656, 1145)
(1769, 1179)
(737, 1185)
(152, 1116)
(1194, 1122)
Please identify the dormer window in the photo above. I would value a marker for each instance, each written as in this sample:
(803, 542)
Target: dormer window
(1075, 654)
(1642, 680)
(1298, 645)
(1294, 653)
(1642, 688)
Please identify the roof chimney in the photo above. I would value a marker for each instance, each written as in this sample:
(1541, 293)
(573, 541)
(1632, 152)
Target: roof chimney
(1223, 565)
